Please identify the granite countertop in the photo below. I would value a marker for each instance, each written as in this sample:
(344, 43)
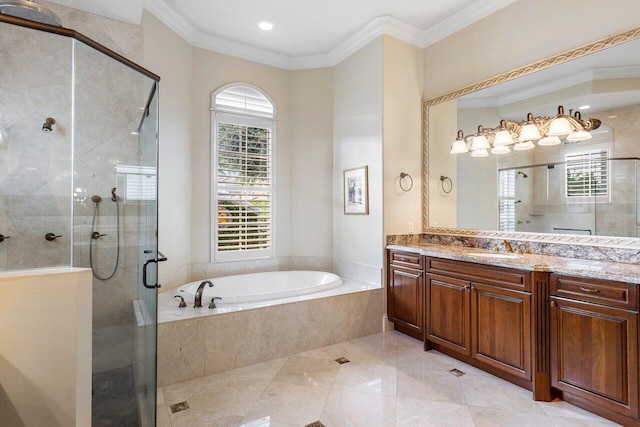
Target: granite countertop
(607, 270)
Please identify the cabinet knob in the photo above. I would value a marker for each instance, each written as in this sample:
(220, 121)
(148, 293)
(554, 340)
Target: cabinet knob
(553, 304)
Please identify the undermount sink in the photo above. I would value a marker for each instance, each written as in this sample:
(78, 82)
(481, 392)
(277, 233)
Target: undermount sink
(494, 255)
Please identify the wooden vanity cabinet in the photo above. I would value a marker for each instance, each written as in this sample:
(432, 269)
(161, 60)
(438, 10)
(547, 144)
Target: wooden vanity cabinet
(594, 345)
(405, 292)
(480, 312)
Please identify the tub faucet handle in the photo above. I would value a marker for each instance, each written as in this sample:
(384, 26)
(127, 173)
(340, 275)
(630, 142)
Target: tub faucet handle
(182, 303)
(212, 304)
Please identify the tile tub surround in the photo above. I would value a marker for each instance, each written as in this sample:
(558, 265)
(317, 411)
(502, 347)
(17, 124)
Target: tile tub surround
(389, 381)
(569, 250)
(606, 270)
(203, 342)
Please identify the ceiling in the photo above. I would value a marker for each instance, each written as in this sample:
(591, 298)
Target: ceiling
(307, 34)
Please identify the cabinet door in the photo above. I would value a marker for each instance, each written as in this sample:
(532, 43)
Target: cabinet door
(448, 309)
(405, 300)
(594, 354)
(501, 329)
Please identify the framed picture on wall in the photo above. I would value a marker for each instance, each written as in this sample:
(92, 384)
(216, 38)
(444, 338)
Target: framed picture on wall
(356, 191)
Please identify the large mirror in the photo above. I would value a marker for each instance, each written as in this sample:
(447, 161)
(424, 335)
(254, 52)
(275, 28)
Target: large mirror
(585, 185)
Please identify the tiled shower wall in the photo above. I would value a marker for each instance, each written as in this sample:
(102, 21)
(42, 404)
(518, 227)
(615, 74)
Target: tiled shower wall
(42, 176)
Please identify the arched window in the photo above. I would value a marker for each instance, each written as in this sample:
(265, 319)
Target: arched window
(243, 140)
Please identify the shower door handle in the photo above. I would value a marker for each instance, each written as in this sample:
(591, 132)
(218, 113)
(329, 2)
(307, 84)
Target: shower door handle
(144, 272)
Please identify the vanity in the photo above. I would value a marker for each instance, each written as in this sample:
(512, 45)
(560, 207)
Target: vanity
(560, 327)
(543, 159)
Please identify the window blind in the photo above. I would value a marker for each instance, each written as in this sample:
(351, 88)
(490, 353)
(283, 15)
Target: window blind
(244, 99)
(140, 182)
(587, 174)
(244, 187)
(506, 200)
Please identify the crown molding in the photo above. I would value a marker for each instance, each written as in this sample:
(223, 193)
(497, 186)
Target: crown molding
(381, 25)
(459, 20)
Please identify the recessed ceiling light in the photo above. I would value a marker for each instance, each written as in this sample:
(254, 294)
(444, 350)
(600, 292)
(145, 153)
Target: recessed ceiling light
(612, 117)
(265, 25)
(584, 107)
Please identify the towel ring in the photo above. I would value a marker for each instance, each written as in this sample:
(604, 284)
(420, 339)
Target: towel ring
(444, 179)
(403, 176)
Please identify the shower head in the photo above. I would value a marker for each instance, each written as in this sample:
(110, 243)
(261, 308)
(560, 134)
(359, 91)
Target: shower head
(96, 199)
(114, 196)
(47, 127)
(27, 9)
(524, 175)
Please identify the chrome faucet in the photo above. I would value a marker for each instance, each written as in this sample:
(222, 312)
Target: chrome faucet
(507, 247)
(198, 300)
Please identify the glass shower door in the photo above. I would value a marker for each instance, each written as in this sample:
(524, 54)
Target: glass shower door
(146, 363)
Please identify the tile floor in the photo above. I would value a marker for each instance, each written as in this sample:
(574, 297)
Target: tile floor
(388, 382)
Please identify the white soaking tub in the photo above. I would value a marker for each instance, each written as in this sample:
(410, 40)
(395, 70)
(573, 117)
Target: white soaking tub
(244, 288)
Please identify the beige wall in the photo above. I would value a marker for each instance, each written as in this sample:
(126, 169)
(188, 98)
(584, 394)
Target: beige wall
(357, 141)
(311, 167)
(169, 56)
(402, 136)
(210, 71)
(521, 33)
(443, 122)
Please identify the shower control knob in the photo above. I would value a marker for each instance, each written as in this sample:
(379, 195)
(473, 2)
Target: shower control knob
(51, 236)
(95, 235)
(4, 237)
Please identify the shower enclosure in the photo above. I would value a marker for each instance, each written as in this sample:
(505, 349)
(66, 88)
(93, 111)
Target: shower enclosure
(588, 195)
(78, 187)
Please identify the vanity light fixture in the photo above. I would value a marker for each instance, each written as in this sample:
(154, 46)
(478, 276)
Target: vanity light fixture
(459, 145)
(546, 131)
(265, 25)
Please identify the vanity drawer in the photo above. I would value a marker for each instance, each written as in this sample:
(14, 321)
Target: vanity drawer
(605, 292)
(406, 259)
(491, 275)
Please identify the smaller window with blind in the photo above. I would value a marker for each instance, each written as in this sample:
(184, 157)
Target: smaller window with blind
(242, 191)
(587, 175)
(507, 200)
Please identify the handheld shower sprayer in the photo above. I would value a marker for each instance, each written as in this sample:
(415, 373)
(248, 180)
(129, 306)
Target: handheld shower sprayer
(95, 235)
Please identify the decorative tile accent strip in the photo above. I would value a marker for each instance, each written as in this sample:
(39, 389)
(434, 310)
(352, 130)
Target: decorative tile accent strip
(342, 360)
(177, 407)
(315, 424)
(456, 372)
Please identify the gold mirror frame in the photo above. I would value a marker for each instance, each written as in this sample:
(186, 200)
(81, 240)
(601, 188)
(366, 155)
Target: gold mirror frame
(623, 242)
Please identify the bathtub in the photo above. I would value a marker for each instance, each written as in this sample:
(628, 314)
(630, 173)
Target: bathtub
(255, 287)
(262, 316)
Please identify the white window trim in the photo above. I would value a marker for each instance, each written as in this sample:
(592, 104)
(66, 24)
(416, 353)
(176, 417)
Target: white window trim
(246, 120)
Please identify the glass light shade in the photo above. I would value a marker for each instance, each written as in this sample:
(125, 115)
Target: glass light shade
(549, 140)
(559, 126)
(500, 149)
(459, 146)
(479, 142)
(529, 132)
(503, 137)
(480, 153)
(581, 135)
(526, 145)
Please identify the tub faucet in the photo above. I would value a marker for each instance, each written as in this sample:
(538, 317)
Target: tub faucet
(198, 299)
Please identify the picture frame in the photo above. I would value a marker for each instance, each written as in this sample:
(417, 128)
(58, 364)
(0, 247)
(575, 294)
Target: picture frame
(356, 191)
